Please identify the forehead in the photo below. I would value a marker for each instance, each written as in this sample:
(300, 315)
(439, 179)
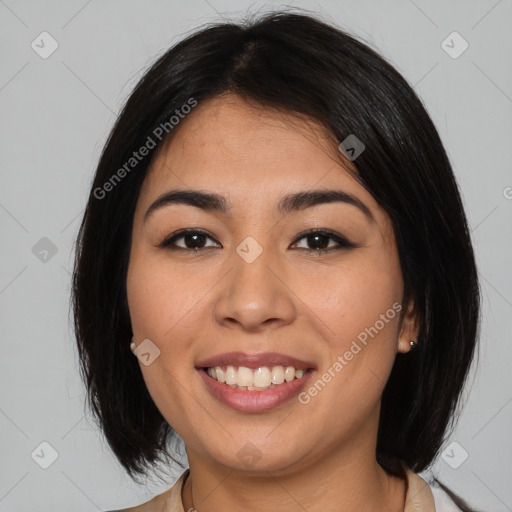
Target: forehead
(229, 129)
(249, 153)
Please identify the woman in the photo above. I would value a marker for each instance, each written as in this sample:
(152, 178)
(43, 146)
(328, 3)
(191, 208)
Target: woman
(275, 230)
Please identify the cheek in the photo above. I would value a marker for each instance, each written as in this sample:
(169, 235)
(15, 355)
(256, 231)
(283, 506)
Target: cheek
(160, 307)
(359, 306)
(353, 296)
(163, 307)
(159, 298)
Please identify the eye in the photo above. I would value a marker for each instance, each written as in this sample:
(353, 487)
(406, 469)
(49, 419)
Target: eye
(320, 239)
(196, 239)
(193, 239)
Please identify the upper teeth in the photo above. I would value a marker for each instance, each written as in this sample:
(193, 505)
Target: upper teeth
(261, 377)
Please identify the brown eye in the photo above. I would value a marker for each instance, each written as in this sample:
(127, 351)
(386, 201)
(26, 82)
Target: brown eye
(318, 241)
(193, 239)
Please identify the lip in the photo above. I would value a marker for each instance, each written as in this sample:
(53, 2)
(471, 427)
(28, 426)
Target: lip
(254, 401)
(254, 361)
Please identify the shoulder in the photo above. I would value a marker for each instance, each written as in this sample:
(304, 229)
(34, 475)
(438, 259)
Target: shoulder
(445, 499)
(424, 494)
(168, 501)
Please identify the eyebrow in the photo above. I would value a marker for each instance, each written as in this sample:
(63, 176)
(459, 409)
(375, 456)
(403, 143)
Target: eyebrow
(298, 201)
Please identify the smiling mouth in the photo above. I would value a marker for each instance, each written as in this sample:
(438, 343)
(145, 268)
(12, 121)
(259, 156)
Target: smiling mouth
(262, 378)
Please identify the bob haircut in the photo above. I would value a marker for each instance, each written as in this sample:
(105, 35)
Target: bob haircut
(301, 65)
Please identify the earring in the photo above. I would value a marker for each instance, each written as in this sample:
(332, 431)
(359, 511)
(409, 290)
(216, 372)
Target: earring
(413, 344)
(133, 346)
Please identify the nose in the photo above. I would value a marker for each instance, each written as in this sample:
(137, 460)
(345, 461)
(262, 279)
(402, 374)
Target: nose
(255, 295)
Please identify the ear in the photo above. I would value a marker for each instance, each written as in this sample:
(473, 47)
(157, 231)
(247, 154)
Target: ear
(409, 330)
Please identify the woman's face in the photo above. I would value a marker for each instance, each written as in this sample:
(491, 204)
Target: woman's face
(255, 283)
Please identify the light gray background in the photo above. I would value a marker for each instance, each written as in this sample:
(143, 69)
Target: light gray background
(55, 115)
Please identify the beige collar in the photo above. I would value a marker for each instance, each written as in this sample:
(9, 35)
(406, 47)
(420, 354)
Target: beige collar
(417, 499)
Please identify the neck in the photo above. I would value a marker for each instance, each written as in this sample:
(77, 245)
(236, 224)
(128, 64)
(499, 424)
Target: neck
(343, 481)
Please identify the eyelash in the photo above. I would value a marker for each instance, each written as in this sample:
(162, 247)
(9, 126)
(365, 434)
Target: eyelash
(342, 242)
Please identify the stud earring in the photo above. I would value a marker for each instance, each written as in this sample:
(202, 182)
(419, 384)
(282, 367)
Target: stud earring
(133, 346)
(413, 344)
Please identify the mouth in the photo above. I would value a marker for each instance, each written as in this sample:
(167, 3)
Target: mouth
(254, 382)
(262, 378)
